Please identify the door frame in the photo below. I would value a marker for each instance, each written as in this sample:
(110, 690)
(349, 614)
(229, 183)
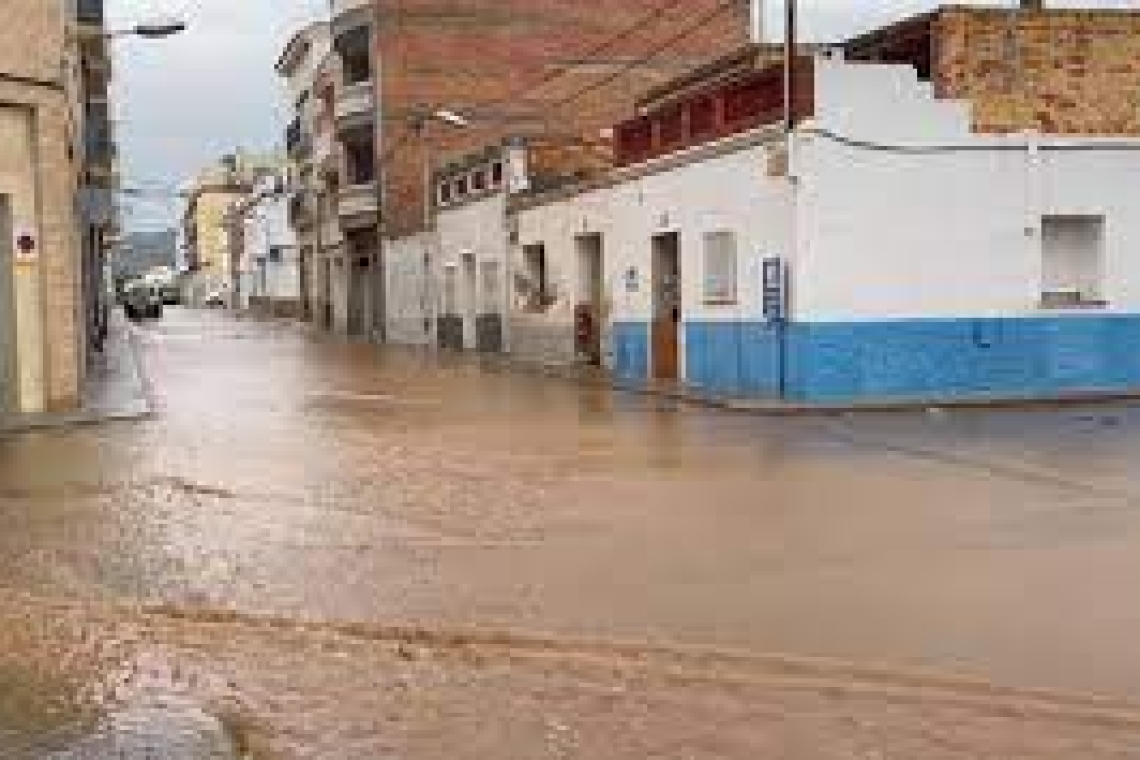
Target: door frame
(665, 321)
(9, 376)
(591, 300)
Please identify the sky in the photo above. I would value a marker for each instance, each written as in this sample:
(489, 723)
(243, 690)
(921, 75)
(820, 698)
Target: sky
(183, 102)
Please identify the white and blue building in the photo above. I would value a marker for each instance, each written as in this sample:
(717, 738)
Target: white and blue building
(884, 250)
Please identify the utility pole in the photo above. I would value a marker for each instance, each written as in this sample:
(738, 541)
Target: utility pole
(790, 36)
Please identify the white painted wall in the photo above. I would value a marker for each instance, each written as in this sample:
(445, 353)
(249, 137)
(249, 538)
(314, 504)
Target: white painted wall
(267, 227)
(951, 225)
(728, 192)
(473, 230)
(408, 291)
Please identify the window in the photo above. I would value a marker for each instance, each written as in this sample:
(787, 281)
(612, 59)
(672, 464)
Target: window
(479, 181)
(276, 254)
(460, 187)
(445, 192)
(497, 173)
(1072, 261)
(720, 268)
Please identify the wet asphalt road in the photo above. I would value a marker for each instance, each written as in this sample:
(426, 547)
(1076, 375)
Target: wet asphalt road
(295, 478)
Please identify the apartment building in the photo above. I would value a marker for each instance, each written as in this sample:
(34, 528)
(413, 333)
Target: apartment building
(211, 256)
(56, 180)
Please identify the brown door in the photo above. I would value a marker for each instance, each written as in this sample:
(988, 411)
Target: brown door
(666, 306)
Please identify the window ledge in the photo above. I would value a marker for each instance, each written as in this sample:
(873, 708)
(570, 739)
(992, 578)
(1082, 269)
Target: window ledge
(1074, 306)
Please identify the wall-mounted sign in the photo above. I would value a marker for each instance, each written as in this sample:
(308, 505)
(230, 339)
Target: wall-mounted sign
(774, 289)
(632, 281)
(25, 246)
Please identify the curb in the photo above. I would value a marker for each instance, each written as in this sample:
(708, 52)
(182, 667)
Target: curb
(761, 408)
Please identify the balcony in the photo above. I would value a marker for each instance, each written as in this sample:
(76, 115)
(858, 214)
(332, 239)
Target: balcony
(354, 105)
(715, 112)
(348, 13)
(357, 206)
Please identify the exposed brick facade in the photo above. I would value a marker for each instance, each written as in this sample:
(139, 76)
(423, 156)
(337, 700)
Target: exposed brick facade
(1061, 71)
(481, 57)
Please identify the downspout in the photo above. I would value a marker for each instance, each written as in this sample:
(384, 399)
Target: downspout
(790, 42)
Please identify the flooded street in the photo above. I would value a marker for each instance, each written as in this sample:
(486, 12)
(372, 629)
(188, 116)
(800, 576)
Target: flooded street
(327, 550)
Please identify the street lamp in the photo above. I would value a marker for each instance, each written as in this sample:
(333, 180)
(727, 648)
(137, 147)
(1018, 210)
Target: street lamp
(151, 30)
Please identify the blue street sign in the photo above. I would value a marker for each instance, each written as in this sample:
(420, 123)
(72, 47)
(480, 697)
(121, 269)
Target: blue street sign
(774, 289)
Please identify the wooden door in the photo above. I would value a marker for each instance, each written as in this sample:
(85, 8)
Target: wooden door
(666, 327)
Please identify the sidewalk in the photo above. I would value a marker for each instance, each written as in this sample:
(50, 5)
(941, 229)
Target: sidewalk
(116, 389)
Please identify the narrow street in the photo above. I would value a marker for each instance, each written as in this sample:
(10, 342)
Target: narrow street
(341, 551)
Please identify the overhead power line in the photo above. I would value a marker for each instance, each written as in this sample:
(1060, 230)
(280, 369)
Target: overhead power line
(644, 22)
(702, 22)
(524, 93)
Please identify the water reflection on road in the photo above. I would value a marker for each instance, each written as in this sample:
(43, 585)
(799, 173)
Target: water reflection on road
(290, 478)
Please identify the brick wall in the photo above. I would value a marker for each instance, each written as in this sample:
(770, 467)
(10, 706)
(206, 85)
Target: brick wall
(1060, 71)
(476, 56)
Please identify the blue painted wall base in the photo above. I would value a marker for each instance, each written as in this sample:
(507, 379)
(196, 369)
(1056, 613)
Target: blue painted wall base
(733, 358)
(631, 351)
(945, 359)
(921, 359)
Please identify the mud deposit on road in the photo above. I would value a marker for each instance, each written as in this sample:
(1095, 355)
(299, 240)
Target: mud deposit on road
(282, 689)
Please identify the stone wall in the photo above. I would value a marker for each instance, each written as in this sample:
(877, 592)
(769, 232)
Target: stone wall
(1056, 71)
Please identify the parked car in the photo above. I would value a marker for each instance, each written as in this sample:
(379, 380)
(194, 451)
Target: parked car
(142, 300)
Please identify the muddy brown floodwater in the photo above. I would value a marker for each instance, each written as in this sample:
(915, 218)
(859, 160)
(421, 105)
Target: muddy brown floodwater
(335, 551)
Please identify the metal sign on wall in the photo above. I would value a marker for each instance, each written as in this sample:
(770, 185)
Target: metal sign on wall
(774, 289)
(25, 246)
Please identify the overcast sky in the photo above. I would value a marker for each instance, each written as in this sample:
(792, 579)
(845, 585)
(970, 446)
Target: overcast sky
(185, 101)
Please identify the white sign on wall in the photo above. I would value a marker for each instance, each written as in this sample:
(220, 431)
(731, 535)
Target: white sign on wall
(25, 246)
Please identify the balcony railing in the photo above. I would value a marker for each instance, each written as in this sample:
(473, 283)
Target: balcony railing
(354, 103)
(358, 202)
(716, 112)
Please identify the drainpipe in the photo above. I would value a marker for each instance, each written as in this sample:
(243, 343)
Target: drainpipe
(790, 49)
